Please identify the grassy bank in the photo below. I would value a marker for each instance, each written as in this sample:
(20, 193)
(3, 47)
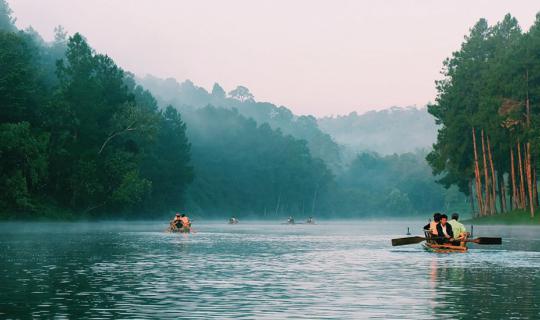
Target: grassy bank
(517, 217)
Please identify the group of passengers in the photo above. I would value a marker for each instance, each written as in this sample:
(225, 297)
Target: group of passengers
(180, 223)
(443, 231)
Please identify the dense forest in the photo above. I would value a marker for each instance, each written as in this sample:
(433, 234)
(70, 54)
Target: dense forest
(488, 109)
(78, 135)
(359, 181)
(187, 94)
(82, 138)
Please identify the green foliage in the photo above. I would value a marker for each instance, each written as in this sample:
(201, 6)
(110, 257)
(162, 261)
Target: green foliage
(23, 165)
(485, 88)
(390, 185)
(20, 89)
(320, 144)
(78, 132)
(245, 168)
(241, 93)
(167, 164)
(79, 135)
(7, 22)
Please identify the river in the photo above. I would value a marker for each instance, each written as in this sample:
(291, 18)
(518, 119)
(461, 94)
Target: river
(333, 270)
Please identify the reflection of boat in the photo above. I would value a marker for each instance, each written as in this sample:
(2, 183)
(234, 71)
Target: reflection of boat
(432, 246)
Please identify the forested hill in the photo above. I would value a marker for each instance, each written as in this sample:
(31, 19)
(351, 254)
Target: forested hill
(394, 130)
(79, 138)
(187, 94)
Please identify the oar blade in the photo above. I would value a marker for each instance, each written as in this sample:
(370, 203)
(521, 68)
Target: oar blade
(408, 240)
(488, 240)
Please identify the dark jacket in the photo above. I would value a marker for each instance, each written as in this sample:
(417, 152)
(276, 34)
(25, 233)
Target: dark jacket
(448, 230)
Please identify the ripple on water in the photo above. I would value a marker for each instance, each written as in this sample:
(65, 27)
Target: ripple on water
(261, 271)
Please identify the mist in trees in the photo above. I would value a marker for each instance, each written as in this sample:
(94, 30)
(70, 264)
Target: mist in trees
(394, 130)
(76, 132)
(82, 138)
(373, 186)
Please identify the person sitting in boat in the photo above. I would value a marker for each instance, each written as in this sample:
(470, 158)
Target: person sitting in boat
(432, 225)
(186, 224)
(444, 230)
(290, 220)
(176, 223)
(458, 228)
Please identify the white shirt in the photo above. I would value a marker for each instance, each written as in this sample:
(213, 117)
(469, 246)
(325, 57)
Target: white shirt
(444, 230)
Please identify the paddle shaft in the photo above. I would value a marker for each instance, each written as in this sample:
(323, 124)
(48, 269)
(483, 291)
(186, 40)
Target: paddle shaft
(414, 240)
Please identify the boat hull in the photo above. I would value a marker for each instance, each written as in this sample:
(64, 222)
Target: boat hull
(443, 248)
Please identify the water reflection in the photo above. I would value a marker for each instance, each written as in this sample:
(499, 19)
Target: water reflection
(336, 270)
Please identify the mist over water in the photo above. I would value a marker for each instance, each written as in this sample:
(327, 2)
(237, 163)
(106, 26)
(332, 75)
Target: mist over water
(263, 270)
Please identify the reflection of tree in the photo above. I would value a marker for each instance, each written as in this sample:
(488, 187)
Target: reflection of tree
(483, 293)
(78, 275)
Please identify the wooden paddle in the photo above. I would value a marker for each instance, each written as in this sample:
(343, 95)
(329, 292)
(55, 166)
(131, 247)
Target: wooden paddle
(485, 240)
(413, 240)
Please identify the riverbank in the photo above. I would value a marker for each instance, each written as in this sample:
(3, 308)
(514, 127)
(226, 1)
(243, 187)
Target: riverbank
(512, 218)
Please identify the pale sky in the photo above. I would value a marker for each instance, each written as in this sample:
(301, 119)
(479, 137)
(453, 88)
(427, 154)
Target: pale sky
(315, 57)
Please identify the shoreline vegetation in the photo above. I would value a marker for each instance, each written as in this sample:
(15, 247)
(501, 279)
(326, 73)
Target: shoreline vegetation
(517, 217)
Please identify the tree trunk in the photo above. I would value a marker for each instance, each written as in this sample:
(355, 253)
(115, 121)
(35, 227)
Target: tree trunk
(535, 184)
(493, 179)
(502, 193)
(478, 183)
(487, 191)
(529, 179)
(521, 180)
(514, 202)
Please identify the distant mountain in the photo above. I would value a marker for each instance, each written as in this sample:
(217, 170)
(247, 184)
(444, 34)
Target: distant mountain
(394, 130)
(186, 94)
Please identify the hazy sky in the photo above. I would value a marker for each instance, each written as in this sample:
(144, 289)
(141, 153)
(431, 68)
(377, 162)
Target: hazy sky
(317, 57)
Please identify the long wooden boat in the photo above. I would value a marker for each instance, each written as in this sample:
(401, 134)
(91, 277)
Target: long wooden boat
(443, 248)
(182, 230)
(173, 229)
(432, 246)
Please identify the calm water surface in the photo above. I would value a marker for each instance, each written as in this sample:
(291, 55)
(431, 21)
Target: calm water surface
(335, 270)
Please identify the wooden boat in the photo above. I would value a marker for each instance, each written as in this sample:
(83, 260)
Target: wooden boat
(173, 229)
(181, 230)
(432, 246)
(443, 248)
